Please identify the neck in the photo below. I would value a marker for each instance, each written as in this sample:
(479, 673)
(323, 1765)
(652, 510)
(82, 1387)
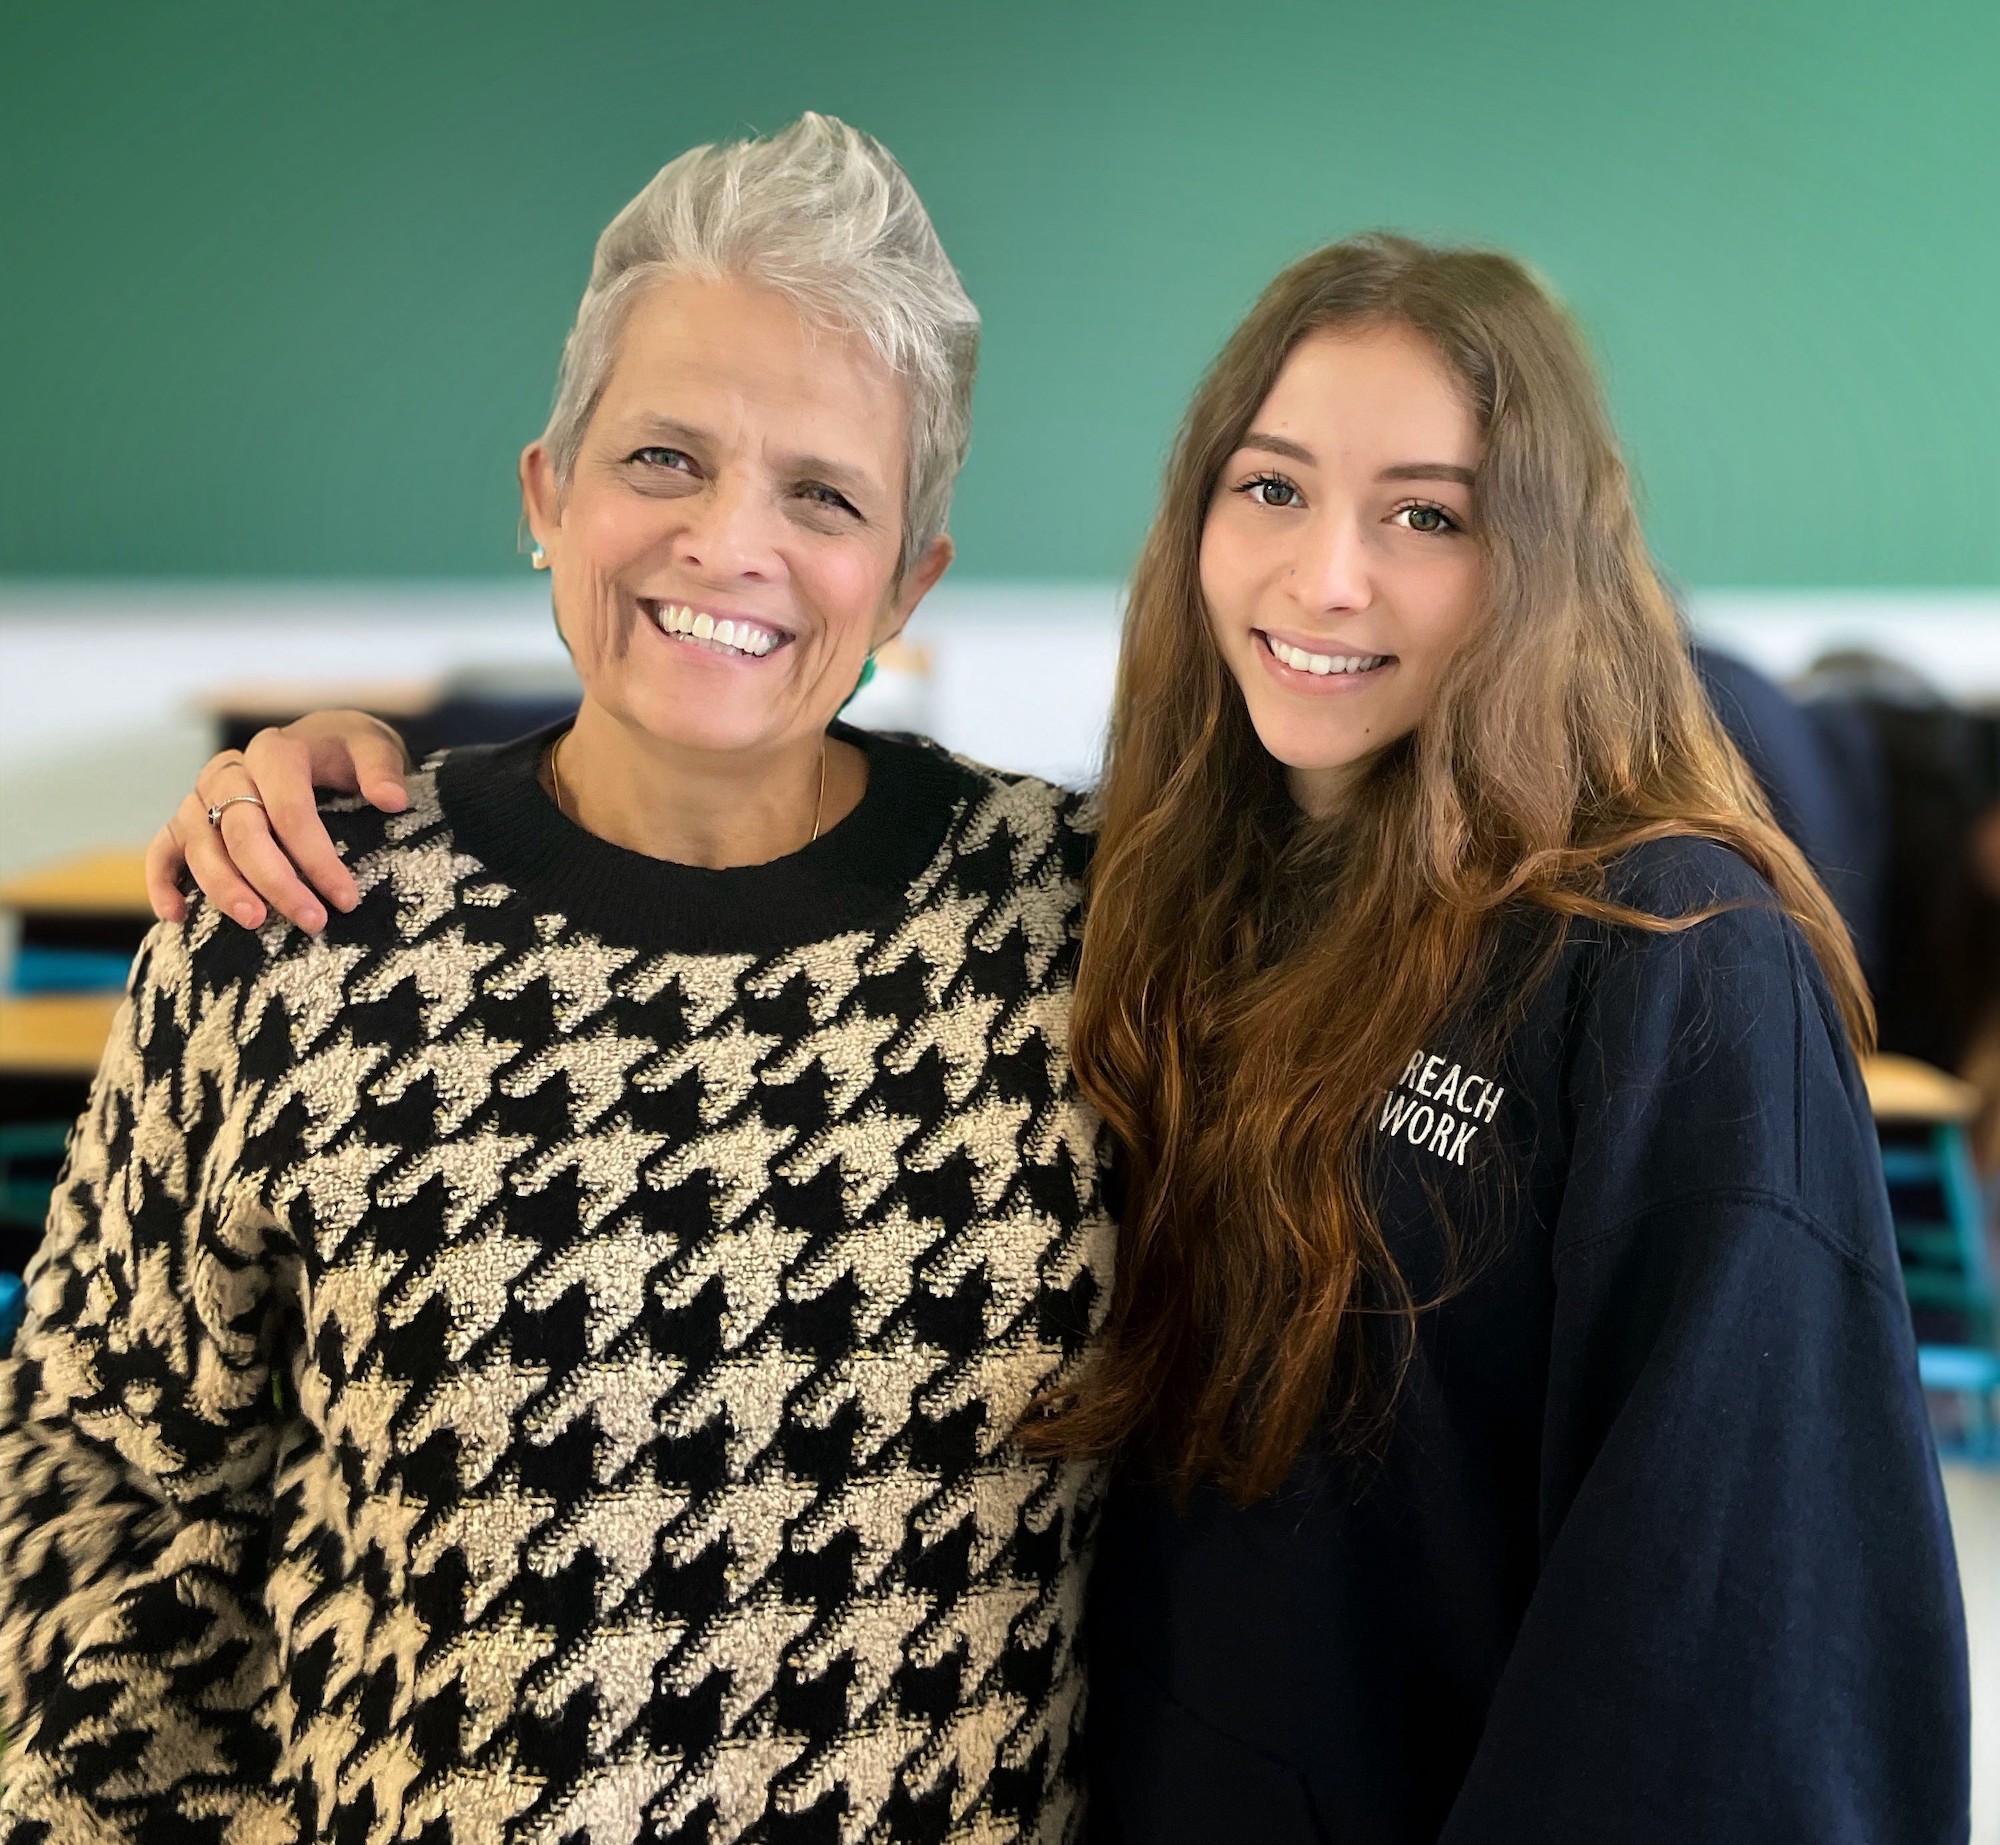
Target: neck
(1322, 793)
(700, 807)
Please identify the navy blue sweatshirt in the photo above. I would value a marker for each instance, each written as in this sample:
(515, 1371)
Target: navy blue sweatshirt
(1657, 1550)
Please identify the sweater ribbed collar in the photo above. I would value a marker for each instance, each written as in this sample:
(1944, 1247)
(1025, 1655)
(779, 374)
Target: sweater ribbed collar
(856, 875)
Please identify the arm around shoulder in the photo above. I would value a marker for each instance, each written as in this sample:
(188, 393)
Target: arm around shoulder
(250, 833)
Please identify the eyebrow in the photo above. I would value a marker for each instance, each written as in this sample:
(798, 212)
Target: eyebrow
(1277, 445)
(1401, 470)
(1428, 470)
(839, 475)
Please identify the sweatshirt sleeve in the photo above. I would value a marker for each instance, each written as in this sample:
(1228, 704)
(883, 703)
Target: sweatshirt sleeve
(137, 1432)
(1746, 1624)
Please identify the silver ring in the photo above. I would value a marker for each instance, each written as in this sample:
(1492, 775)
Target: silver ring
(215, 811)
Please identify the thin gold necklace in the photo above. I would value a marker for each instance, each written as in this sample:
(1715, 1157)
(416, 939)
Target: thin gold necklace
(562, 806)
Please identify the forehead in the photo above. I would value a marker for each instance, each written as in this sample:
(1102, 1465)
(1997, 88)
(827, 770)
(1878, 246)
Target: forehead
(1375, 393)
(739, 360)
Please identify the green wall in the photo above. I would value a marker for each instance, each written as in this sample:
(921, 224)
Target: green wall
(282, 286)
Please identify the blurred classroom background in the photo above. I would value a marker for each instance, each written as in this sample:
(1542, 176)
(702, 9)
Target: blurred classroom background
(286, 287)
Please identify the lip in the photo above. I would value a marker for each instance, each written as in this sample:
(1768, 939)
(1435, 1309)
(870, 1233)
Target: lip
(1318, 685)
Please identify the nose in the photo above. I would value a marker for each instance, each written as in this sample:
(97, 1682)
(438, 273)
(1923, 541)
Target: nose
(1330, 570)
(729, 535)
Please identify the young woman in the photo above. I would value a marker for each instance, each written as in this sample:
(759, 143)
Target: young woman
(1508, 1356)
(1514, 1398)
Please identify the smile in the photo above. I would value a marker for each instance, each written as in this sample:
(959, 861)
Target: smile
(740, 637)
(1323, 665)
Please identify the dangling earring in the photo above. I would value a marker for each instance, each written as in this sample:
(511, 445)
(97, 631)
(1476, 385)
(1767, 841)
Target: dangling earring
(539, 558)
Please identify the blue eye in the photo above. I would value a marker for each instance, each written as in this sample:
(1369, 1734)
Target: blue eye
(658, 457)
(1422, 516)
(1271, 490)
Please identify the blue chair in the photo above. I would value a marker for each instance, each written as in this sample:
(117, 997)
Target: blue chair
(31, 1155)
(1940, 1216)
(30, 1159)
(42, 968)
(81, 920)
(1972, 1379)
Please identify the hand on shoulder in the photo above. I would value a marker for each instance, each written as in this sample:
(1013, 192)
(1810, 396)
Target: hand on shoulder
(250, 833)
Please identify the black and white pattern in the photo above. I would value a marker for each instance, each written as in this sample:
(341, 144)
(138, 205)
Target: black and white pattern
(487, 1380)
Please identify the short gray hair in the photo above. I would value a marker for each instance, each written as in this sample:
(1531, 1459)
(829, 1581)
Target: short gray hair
(821, 213)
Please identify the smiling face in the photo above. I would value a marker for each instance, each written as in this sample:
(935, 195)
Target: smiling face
(1338, 561)
(725, 551)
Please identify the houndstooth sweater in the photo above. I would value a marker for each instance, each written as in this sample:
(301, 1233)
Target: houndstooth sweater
(537, 1362)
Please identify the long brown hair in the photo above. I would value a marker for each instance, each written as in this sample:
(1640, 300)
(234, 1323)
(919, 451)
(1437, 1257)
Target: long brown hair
(1252, 981)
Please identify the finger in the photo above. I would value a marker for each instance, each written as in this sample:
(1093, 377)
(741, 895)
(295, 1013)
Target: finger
(281, 768)
(355, 751)
(382, 770)
(259, 858)
(211, 867)
(243, 834)
(211, 774)
(164, 863)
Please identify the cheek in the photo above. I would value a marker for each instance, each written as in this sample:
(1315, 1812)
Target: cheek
(1220, 568)
(848, 589)
(1447, 602)
(601, 543)
(586, 627)
(608, 534)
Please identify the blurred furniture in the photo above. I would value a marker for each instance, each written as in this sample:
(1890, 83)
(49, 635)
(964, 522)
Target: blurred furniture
(1940, 1214)
(77, 925)
(50, 1044)
(55, 1036)
(478, 705)
(31, 1155)
(12, 1300)
(243, 707)
(79, 922)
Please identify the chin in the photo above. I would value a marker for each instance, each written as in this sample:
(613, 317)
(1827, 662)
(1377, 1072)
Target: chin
(725, 726)
(1308, 748)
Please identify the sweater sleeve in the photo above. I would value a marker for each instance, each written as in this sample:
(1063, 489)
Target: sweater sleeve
(137, 1433)
(1746, 1624)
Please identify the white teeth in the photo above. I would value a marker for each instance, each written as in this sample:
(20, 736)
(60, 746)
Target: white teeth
(718, 636)
(1321, 664)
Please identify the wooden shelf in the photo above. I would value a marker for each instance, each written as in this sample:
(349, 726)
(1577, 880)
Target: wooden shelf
(279, 701)
(55, 1034)
(1902, 1089)
(91, 884)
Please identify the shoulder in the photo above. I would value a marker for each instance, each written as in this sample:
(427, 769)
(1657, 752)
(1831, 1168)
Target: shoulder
(396, 859)
(1040, 822)
(1715, 999)
(1707, 1073)
(1682, 876)
(1710, 1053)
(1702, 937)
(1714, 927)
(411, 867)
(360, 831)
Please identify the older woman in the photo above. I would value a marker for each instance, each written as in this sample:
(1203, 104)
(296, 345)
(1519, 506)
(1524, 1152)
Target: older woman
(536, 1360)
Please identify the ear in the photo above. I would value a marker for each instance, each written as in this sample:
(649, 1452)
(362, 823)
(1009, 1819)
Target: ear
(541, 498)
(918, 581)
